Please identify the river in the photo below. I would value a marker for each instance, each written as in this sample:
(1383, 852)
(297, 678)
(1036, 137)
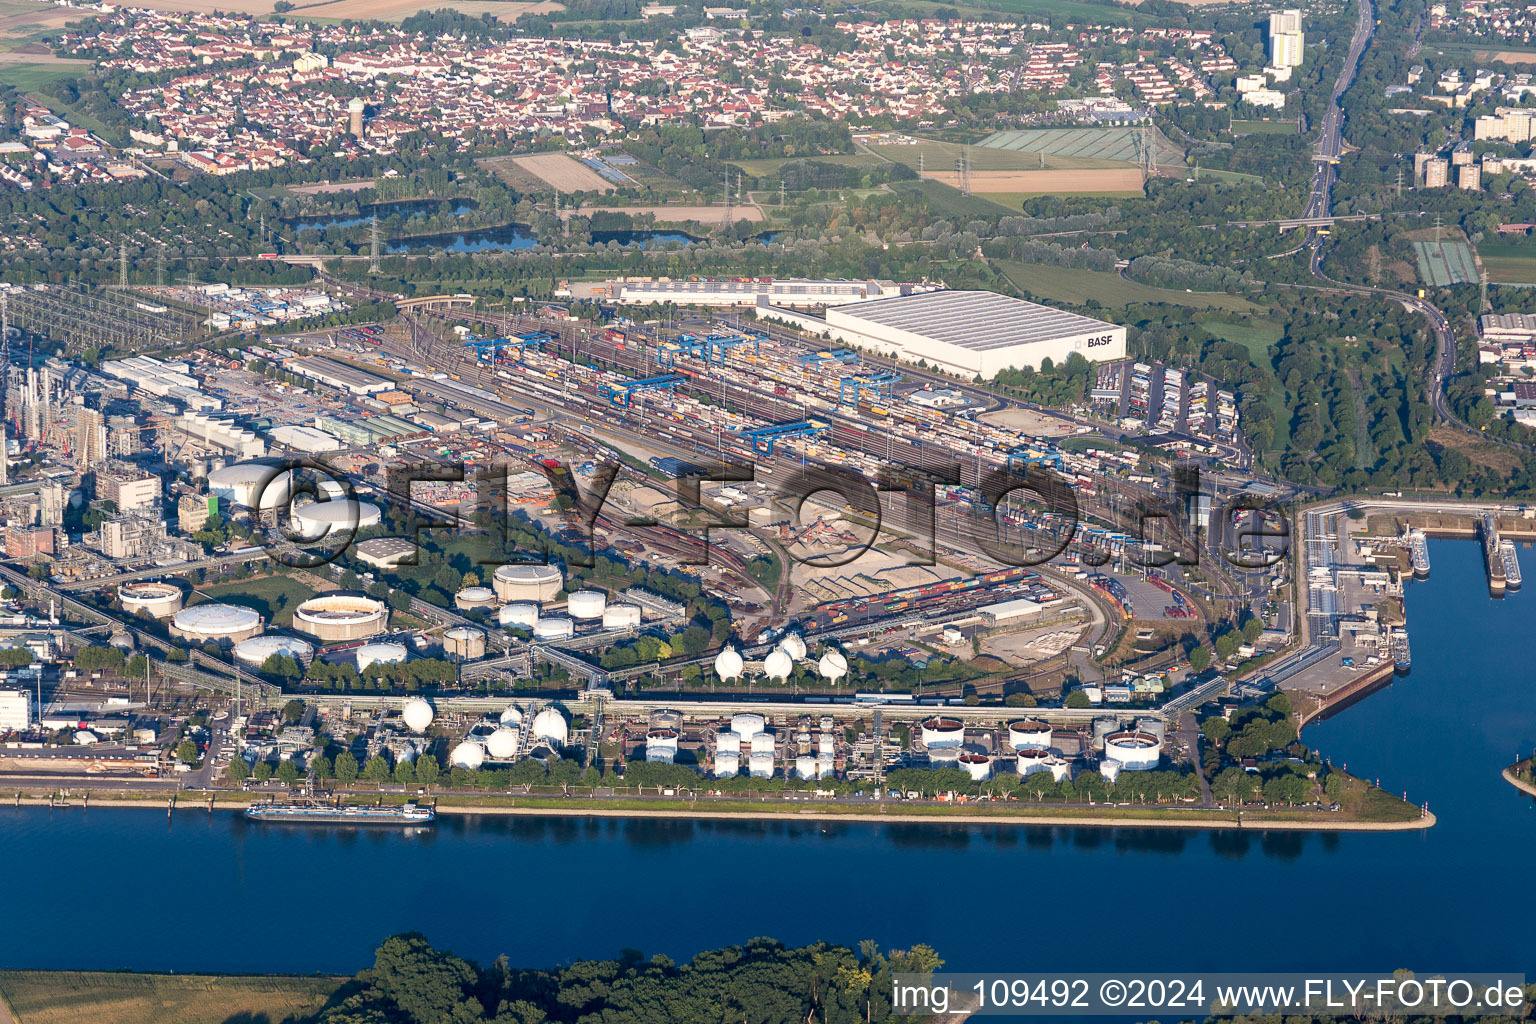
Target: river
(111, 888)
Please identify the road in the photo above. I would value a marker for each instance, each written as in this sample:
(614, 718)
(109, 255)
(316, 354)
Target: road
(1330, 139)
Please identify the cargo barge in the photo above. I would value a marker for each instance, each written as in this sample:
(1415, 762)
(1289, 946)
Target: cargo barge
(327, 814)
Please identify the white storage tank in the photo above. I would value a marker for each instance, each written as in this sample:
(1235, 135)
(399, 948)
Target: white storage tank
(554, 628)
(255, 651)
(1029, 734)
(1110, 769)
(825, 767)
(778, 665)
(468, 754)
(549, 727)
(944, 755)
(1031, 760)
(832, 666)
(320, 519)
(247, 483)
(621, 616)
(760, 766)
(159, 600)
(727, 741)
(727, 763)
(471, 598)
(661, 745)
(536, 583)
(339, 616)
(465, 642)
(762, 743)
(978, 766)
(587, 604)
(523, 614)
(943, 732)
(501, 745)
(805, 767)
(1153, 727)
(1136, 751)
(826, 745)
(1061, 769)
(1102, 727)
(794, 646)
(747, 725)
(418, 714)
(513, 716)
(728, 664)
(386, 653)
(220, 623)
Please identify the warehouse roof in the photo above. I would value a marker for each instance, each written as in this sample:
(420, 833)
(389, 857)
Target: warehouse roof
(974, 320)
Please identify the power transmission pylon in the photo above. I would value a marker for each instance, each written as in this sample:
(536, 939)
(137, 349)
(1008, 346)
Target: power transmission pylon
(160, 268)
(373, 246)
(730, 207)
(1482, 277)
(1399, 182)
(1437, 229)
(122, 263)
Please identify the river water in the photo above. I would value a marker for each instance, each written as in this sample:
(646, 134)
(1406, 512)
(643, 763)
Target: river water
(113, 888)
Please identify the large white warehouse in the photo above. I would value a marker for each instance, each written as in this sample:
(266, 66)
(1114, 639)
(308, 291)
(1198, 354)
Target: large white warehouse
(973, 332)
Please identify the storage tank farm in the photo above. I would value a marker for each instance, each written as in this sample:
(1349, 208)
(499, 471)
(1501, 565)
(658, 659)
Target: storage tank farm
(536, 584)
(621, 616)
(1029, 760)
(1029, 734)
(522, 614)
(1135, 751)
(586, 605)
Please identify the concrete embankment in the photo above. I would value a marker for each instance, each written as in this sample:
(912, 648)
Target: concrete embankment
(1519, 783)
(1109, 818)
(1356, 688)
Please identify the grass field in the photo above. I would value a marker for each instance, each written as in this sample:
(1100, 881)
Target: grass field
(273, 596)
(1061, 11)
(940, 157)
(1241, 127)
(67, 997)
(1075, 285)
(951, 202)
(1256, 336)
(765, 168)
(1509, 262)
(26, 77)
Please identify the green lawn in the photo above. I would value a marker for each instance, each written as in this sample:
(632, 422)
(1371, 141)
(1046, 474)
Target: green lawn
(1242, 127)
(766, 168)
(1256, 336)
(951, 202)
(1509, 262)
(1056, 11)
(66, 997)
(1071, 284)
(26, 77)
(272, 596)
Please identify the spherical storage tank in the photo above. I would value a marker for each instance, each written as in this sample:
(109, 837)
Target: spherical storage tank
(549, 727)
(978, 766)
(943, 732)
(417, 714)
(258, 649)
(475, 597)
(746, 725)
(156, 599)
(370, 655)
(319, 519)
(520, 613)
(464, 642)
(338, 617)
(728, 664)
(555, 628)
(778, 664)
(221, 623)
(1136, 751)
(621, 616)
(501, 745)
(528, 582)
(513, 716)
(587, 604)
(468, 754)
(832, 666)
(794, 646)
(1029, 734)
(1031, 760)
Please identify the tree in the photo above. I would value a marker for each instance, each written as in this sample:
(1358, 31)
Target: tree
(346, 768)
(427, 769)
(287, 773)
(1252, 628)
(377, 769)
(239, 771)
(1077, 699)
(293, 711)
(1199, 659)
(405, 773)
(186, 752)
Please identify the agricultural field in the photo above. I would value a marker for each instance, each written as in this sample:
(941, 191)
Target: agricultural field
(1076, 285)
(563, 172)
(1260, 127)
(273, 597)
(359, 10)
(1509, 262)
(1010, 188)
(26, 77)
(1446, 262)
(951, 202)
(66, 997)
(933, 156)
(1108, 146)
(23, 22)
(1049, 10)
(769, 167)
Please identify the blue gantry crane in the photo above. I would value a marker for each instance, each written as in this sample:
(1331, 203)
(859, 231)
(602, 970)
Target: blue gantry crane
(490, 349)
(847, 356)
(763, 439)
(880, 383)
(619, 395)
(711, 348)
(1023, 457)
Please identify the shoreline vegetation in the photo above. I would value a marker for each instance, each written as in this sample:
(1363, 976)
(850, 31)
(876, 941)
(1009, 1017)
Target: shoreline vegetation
(897, 812)
(1521, 776)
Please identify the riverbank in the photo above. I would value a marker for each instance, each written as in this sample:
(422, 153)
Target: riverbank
(902, 812)
(1512, 776)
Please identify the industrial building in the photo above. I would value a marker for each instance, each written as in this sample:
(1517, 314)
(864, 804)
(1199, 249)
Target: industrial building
(385, 552)
(747, 292)
(15, 711)
(973, 333)
(339, 375)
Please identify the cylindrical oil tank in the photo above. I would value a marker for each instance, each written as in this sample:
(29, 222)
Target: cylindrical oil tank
(1029, 734)
(587, 604)
(760, 766)
(746, 725)
(762, 743)
(978, 766)
(1031, 760)
(385, 653)
(1110, 769)
(471, 598)
(661, 745)
(727, 763)
(1102, 727)
(667, 719)
(1153, 727)
(621, 616)
(554, 628)
(159, 600)
(339, 616)
(943, 755)
(523, 614)
(464, 642)
(825, 767)
(727, 741)
(535, 583)
(255, 651)
(1136, 751)
(805, 767)
(943, 732)
(826, 744)
(1061, 769)
(220, 623)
